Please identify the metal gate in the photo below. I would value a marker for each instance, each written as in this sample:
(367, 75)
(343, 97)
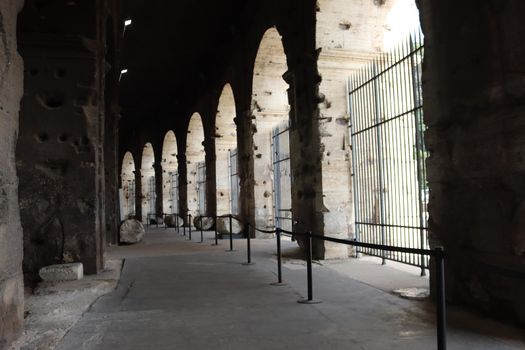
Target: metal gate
(201, 187)
(234, 182)
(152, 196)
(388, 153)
(174, 192)
(130, 199)
(282, 176)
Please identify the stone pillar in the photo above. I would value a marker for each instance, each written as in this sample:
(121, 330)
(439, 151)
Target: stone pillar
(245, 161)
(183, 185)
(11, 89)
(60, 153)
(138, 194)
(305, 147)
(158, 188)
(473, 108)
(211, 180)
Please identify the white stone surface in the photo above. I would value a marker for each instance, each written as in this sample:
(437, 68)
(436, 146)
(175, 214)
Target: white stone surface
(131, 231)
(62, 272)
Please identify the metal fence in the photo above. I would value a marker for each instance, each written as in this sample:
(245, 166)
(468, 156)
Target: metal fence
(234, 182)
(201, 187)
(129, 193)
(282, 176)
(388, 153)
(152, 196)
(174, 192)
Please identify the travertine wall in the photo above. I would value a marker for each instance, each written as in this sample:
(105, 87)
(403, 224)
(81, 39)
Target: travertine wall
(11, 89)
(474, 90)
(225, 140)
(194, 154)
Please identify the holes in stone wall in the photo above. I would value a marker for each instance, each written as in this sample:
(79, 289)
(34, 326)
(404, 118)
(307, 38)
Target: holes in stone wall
(63, 137)
(53, 100)
(42, 137)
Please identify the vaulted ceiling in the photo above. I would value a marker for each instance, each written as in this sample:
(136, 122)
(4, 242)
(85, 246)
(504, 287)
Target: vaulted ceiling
(173, 50)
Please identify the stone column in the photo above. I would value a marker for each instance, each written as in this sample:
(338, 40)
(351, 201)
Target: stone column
(183, 185)
(245, 161)
(473, 108)
(158, 188)
(211, 181)
(11, 89)
(138, 194)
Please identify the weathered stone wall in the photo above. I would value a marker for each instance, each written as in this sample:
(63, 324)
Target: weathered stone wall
(61, 151)
(474, 93)
(11, 89)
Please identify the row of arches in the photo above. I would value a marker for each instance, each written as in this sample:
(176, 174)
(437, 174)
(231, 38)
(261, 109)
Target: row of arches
(270, 110)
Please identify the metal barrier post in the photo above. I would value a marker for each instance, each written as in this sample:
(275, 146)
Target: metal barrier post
(202, 237)
(183, 227)
(231, 235)
(216, 238)
(308, 249)
(189, 226)
(279, 260)
(248, 244)
(177, 222)
(440, 300)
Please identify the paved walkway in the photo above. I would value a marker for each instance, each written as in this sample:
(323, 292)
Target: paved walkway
(176, 294)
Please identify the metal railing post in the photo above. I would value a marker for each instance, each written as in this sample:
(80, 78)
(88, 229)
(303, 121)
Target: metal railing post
(248, 244)
(279, 260)
(216, 238)
(440, 300)
(308, 248)
(231, 234)
(177, 222)
(183, 226)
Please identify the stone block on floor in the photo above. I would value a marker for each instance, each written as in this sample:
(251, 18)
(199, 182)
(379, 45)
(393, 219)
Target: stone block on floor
(62, 272)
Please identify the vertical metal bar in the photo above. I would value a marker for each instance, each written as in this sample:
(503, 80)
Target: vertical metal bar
(440, 299)
(355, 178)
(248, 244)
(216, 239)
(380, 162)
(419, 149)
(231, 233)
(177, 222)
(183, 227)
(308, 249)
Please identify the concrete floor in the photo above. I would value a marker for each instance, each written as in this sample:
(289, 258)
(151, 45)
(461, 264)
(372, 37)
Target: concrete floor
(176, 294)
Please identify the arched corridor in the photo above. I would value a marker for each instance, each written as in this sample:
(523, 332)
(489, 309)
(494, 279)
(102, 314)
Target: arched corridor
(170, 174)
(196, 167)
(127, 178)
(148, 181)
(361, 151)
(270, 109)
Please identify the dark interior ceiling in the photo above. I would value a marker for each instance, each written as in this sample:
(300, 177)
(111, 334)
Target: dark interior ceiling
(173, 50)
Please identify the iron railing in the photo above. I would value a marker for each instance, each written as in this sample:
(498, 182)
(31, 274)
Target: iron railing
(388, 154)
(437, 254)
(282, 176)
(234, 181)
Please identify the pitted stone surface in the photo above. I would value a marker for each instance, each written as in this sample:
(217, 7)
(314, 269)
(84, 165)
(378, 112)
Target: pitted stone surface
(131, 231)
(62, 272)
